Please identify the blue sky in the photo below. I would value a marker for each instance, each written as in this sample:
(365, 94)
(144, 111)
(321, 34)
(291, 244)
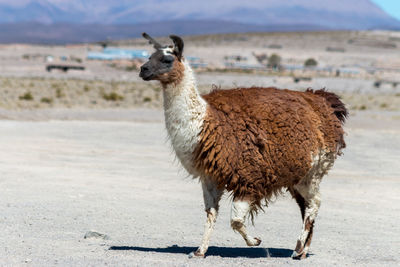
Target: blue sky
(390, 6)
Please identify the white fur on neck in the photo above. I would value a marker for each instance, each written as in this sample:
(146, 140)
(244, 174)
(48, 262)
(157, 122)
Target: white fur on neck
(184, 111)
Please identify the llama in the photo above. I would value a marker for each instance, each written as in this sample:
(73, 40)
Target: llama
(251, 142)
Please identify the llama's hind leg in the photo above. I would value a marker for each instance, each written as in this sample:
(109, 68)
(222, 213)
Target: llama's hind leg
(308, 198)
(240, 210)
(211, 196)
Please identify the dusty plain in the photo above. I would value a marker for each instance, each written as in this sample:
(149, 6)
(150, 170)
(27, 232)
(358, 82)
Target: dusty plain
(75, 158)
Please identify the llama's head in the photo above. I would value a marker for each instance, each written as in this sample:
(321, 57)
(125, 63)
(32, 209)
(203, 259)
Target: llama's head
(165, 64)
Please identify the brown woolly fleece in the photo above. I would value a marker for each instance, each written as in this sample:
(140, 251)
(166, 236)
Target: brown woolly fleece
(257, 141)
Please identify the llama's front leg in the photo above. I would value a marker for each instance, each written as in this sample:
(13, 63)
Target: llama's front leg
(309, 201)
(240, 210)
(212, 196)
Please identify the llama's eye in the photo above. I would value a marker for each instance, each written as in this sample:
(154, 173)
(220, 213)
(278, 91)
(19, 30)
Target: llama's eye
(167, 59)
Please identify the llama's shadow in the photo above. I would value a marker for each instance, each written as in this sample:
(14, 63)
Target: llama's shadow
(226, 252)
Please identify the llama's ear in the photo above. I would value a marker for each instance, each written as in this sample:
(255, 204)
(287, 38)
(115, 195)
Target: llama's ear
(155, 44)
(178, 42)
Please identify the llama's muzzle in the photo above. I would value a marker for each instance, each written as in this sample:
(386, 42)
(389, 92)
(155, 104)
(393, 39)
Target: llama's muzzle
(145, 73)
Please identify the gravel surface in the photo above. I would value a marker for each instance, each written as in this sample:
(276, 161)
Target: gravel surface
(63, 179)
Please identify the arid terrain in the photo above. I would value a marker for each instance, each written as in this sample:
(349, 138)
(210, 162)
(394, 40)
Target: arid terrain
(61, 179)
(85, 151)
(361, 58)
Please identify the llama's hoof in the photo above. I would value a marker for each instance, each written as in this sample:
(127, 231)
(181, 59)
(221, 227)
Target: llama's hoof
(299, 256)
(299, 253)
(195, 254)
(254, 243)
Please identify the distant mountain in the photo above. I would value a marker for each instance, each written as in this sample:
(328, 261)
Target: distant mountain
(58, 21)
(61, 33)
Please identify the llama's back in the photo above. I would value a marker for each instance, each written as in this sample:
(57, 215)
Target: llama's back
(255, 141)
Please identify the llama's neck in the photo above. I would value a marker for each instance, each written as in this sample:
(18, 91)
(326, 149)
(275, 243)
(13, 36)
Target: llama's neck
(184, 111)
(185, 91)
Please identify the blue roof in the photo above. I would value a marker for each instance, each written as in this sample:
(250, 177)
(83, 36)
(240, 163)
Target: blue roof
(112, 53)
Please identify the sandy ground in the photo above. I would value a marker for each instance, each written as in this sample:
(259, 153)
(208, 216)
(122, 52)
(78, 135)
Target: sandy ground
(62, 178)
(26, 93)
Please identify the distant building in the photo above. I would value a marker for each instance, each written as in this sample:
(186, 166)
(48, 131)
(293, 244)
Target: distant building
(113, 53)
(196, 62)
(49, 58)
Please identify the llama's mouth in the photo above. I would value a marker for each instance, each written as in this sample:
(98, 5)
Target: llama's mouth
(146, 76)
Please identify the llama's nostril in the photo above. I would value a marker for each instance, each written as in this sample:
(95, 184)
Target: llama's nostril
(145, 73)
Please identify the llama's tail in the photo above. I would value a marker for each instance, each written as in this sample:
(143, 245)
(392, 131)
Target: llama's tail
(335, 102)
